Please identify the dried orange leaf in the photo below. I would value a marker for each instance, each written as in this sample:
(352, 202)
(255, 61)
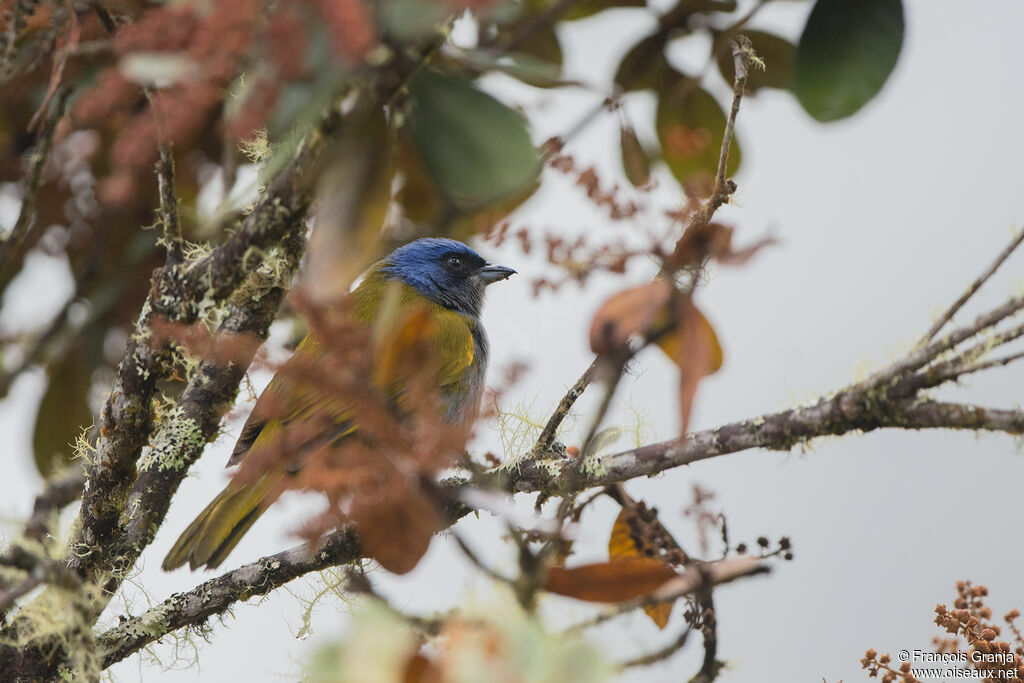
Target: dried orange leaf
(698, 354)
(397, 533)
(628, 313)
(660, 614)
(670, 344)
(622, 545)
(615, 581)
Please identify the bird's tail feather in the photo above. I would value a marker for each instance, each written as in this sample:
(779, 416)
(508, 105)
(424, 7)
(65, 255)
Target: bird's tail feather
(219, 528)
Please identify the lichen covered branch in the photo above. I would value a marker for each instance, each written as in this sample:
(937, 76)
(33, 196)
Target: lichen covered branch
(217, 595)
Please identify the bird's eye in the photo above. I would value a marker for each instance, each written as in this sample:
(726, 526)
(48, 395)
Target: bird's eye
(454, 262)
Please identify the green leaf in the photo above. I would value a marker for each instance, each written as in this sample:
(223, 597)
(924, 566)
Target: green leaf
(777, 53)
(476, 149)
(644, 67)
(691, 125)
(846, 53)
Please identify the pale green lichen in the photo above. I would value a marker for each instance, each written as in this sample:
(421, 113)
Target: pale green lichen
(177, 436)
(56, 620)
(592, 467)
(143, 331)
(552, 467)
(83, 447)
(154, 622)
(327, 587)
(256, 148)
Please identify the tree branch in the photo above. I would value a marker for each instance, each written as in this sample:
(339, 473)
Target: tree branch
(776, 431)
(37, 165)
(217, 595)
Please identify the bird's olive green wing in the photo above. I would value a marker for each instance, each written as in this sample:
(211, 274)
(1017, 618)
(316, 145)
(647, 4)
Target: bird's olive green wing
(293, 394)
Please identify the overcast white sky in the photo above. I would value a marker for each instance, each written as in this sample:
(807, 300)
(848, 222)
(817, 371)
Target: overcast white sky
(885, 218)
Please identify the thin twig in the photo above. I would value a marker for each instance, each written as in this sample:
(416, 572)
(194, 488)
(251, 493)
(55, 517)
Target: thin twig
(994, 363)
(61, 491)
(963, 363)
(742, 50)
(168, 211)
(8, 597)
(974, 287)
(742, 53)
(709, 629)
(547, 435)
(658, 655)
(472, 557)
(40, 570)
(36, 349)
(921, 357)
(37, 164)
(613, 367)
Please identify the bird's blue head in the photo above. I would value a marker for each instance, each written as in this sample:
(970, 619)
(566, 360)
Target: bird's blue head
(445, 271)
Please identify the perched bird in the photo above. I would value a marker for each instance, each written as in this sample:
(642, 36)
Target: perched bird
(443, 276)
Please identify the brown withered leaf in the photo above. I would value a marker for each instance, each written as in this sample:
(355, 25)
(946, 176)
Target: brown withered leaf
(694, 347)
(671, 343)
(621, 544)
(660, 614)
(635, 161)
(630, 312)
(737, 257)
(397, 532)
(713, 240)
(615, 581)
(421, 670)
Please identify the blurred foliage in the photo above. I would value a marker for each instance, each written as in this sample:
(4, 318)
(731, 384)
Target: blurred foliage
(497, 642)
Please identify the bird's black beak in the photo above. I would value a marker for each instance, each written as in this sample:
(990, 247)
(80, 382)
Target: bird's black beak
(490, 273)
